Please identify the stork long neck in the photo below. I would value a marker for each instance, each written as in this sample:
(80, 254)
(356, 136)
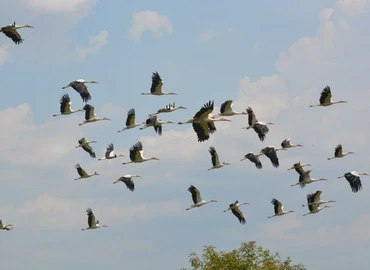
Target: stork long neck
(20, 26)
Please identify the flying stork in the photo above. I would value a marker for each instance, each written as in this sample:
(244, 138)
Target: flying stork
(298, 167)
(338, 153)
(253, 158)
(130, 121)
(279, 208)
(8, 227)
(325, 98)
(156, 88)
(270, 152)
(260, 128)
(215, 160)
(127, 179)
(156, 123)
(109, 154)
(315, 199)
(136, 154)
(314, 208)
(91, 221)
(80, 87)
(90, 115)
(203, 123)
(234, 207)
(65, 106)
(354, 180)
(82, 173)
(169, 108)
(287, 144)
(227, 109)
(11, 32)
(305, 178)
(86, 146)
(195, 194)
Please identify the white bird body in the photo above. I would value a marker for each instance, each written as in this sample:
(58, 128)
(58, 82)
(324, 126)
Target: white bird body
(279, 208)
(93, 224)
(11, 32)
(338, 152)
(259, 127)
(305, 178)
(85, 144)
(156, 123)
(8, 227)
(130, 120)
(226, 109)
(287, 144)
(234, 207)
(128, 180)
(354, 180)
(90, 115)
(325, 98)
(215, 159)
(198, 202)
(169, 108)
(83, 173)
(109, 154)
(65, 106)
(314, 199)
(298, 167)
(314, 208)
(81, 88)
(156, 88)
(136, 154)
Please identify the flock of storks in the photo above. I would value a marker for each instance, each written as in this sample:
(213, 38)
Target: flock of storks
(203, 123)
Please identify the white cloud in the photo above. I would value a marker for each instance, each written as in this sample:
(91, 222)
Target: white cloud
(59, 6)
(94, 46)
(208, 35)
(159, 25)
(326, 14)
(4, 54)
(352, 7)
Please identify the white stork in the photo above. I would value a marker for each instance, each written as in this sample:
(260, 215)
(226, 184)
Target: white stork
(314, 208)
(81, 88)
(167, 109)
(11, 32)
(127, 179)
(226, 109)
(279, 208)
(198, 202)
(325, 98)
(136, 154)
(8, 227)
(354, 180)
(91, 221)
(270, 152)
(315, 199)
(109, 154)
(287, 144)
(203, 123)
(85, 144)
(156, 123)
(90, 115)
(234, 207)
(338, 153)
(260, 128)
(215, 160)
(305, 178)
(65, 106)
(252, 157)
(156, 88)
(298, 167)
(130, 121)
(82, 173)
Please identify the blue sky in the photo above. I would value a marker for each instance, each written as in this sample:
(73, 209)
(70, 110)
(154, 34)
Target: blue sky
(273, 57)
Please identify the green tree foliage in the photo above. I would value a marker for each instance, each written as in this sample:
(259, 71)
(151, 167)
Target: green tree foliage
(248, 257)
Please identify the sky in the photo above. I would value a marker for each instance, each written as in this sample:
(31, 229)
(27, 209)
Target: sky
(274, 57)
